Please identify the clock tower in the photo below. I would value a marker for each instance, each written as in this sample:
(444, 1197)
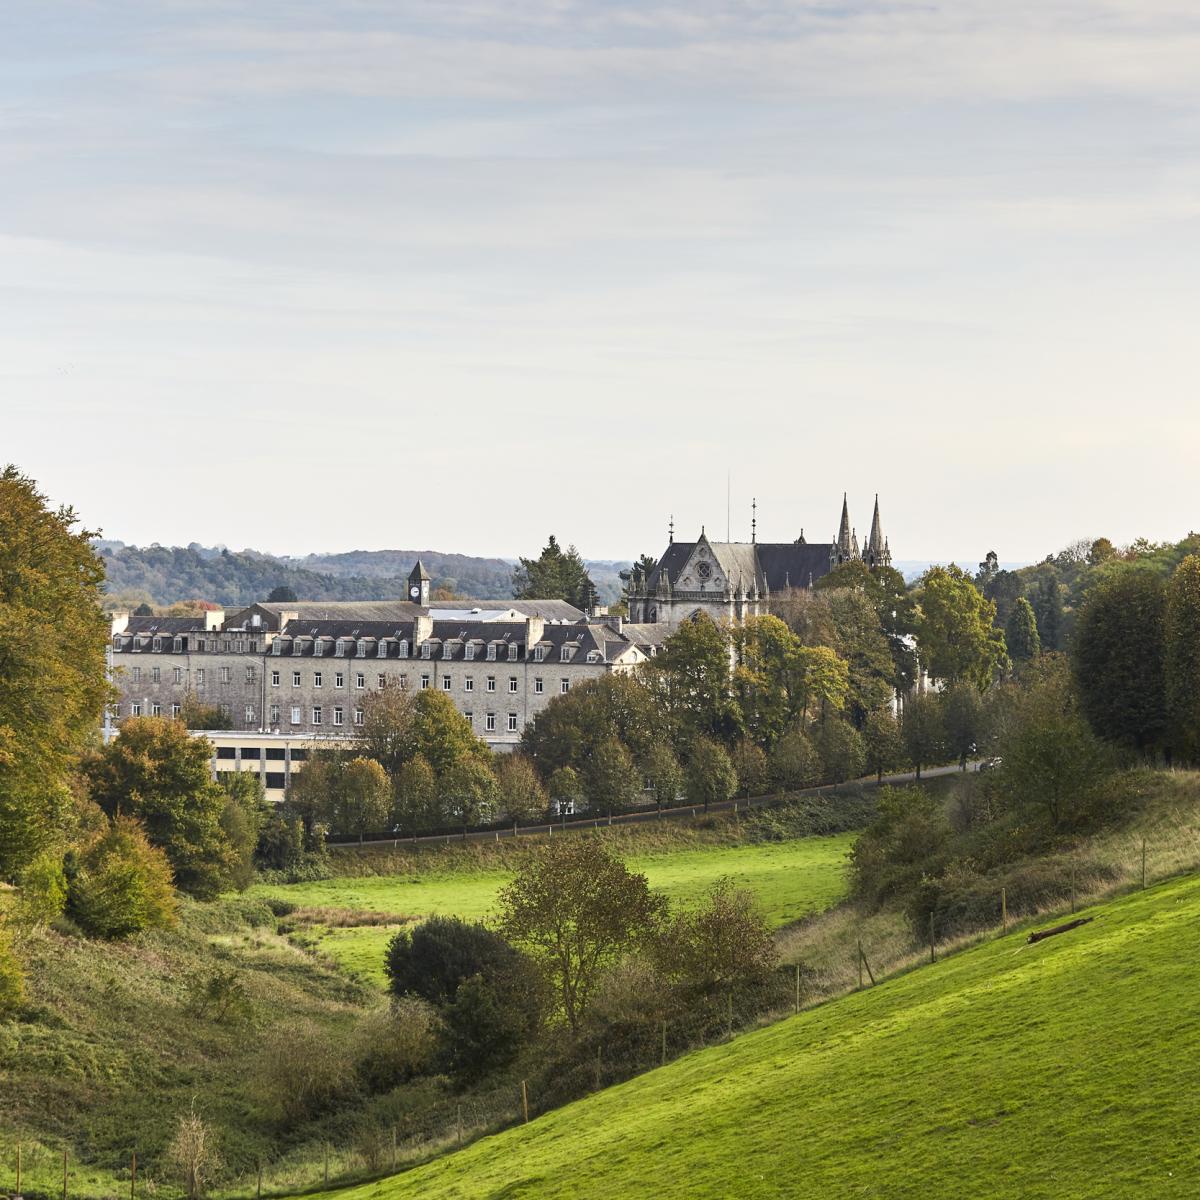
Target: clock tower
(418, 585)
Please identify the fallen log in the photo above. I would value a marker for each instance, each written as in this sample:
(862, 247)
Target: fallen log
(1041, 934)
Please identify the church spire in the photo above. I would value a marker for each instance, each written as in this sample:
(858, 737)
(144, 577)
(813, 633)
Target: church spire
(844, 547)
(877, 552)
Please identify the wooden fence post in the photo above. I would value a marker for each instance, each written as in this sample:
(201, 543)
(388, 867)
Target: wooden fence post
(1072, 885)
(525, 1101)
(393, 1147)
(1143, 864)
(18, 1166)
(459, 1118)
(664, 1043)
(133, 1176)
(859, 966)
(326, 1164)
(1004, 909)
(797, 987)
(931, 952)
(64, 1173)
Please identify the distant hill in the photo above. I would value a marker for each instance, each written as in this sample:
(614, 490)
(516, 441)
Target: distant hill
(166, 574)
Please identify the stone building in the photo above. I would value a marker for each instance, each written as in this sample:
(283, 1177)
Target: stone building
(294, 674)
(730, 581)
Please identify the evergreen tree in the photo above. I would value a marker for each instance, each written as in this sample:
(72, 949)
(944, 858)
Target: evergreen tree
(1021, 632)
(554, 575)
(53, 636)
(1182, 652)
(1118, 659)
(1048, 608)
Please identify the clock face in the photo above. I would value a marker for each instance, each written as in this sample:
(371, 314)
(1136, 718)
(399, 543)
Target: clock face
(415, 592)
(704, 570)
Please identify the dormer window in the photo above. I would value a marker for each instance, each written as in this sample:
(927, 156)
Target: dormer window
(426, 649)
(297, 647)
(116, 641)
(277, 646)
(469, 651)
(381, 649)
(491, 654)
(512, 652)
(362, 647)
(564, 655)
(539, 653)
(318, 646)
(177, 645)
(447, 650)
(403, 648)
(594, 656)
(156, 645)
(341, 648)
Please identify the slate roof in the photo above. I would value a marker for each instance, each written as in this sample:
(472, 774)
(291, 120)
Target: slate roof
(777, 565)
(790, 564)
(168, 626)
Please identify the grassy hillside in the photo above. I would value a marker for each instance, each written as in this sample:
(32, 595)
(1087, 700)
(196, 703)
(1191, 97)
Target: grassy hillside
(790, 879)
(1063, 1069)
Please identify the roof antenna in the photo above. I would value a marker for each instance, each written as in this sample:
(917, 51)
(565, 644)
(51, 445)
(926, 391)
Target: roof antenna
(753, 520)
(728, 486)
(671, 530)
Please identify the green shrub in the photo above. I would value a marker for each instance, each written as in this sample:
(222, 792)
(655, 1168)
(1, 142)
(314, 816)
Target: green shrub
(393, 1044)
(302, 1071)
(43, 890)
(123, 884)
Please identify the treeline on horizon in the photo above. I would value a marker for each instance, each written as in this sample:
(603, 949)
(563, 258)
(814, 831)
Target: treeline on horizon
(166, 575)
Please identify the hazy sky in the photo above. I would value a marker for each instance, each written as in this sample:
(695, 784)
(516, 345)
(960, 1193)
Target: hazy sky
(310, 276)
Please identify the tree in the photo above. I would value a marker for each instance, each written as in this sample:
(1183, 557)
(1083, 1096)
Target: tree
(1048, 608)
(468, 791)
(840, 748)
(12, 978)
(964, 721)
(415, 796)
(1182, 658)
(636, 575)
(386, 733)
(611, 781)
(282, 594)
(441, 733)
(1050, 757)
(770, 657)
(363, 798)
(1100, 552)
(881, 742)
(156, 772)
(242, 820)
(921, 730)
(193, 1153)
(143, 610)
(310, 796)
(578, 909)
(555, 575)
(121, 883)
(43, 890)
(794, 762)
(723, 944)
(521, 794)
(955, 630)
(690, 677)
(1021, 632)
(566, 790)
(1118, 659)
(433, 959)
(711, 778)
(663, 773)
(752, 767)
(194, 714)
(53, 637)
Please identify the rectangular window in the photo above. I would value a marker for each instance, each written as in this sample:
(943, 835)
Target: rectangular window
(339, 679)
(178, 676)
(470, 716)
(512, 722)
(137, 674)
(564, 686)
(249, 674)
(317, 680)
(512, 683)
(337, 715)
(468, 684)
(199, 643)
(512, 652)
(424, 682)
(295, 679)
(275, 780)
(445, 683)
(155, 675)
(274, 714)
(358, 716)
(156, 709)
(491, 683)
(382, 681)
(276, 753)
(299, 756)
(360, 681)
(316, 720)
(135, 709)
(274, 678)
(295, 714)
(539, 686)
(226, 675)
(249, 714)
(491, 652)
(226, 752)
(404, 683)
(251, 752)
(539, 652)
(199, 676)
(489, 722)
(176, 709)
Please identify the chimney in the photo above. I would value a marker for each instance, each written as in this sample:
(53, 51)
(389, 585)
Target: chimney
(213, 620)
(120, 620)
(422, 630)
(535, 628)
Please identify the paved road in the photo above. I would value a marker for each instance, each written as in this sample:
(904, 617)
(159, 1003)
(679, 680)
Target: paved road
(684, 812)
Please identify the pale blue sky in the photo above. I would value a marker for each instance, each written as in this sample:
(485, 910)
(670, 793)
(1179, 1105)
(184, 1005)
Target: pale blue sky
(353, 275)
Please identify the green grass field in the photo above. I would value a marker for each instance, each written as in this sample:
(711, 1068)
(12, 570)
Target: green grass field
(1059, 1070)
(790, 879)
